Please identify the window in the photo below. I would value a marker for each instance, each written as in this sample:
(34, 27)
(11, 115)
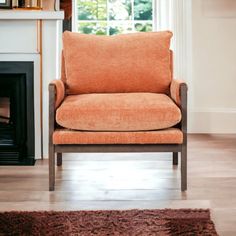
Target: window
(108, 17)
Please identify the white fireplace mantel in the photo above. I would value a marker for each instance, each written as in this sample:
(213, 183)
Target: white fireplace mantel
(30, 15)
(34, 36)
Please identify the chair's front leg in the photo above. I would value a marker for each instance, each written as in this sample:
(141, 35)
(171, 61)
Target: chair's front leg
(51, 149)
(184, 167)
(51, 168)
(183, 92)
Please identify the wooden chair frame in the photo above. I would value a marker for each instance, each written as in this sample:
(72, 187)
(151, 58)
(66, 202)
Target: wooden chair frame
(114, 148)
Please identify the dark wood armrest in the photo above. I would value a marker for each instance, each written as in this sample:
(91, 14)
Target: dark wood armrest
(175, 90)
(183, 106)
(59, 91)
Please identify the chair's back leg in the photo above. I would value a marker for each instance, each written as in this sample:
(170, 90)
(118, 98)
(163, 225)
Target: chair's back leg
(51, 148)
(59, 159)
(175, 158)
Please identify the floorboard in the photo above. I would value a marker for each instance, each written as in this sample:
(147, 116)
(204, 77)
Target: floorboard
(128, 181)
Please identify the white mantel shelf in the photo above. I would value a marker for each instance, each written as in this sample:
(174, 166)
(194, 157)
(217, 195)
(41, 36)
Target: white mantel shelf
(31, 15)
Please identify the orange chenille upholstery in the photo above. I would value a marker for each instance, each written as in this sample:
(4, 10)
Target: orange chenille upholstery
(127, 112)
(63, 69)
(117, 94)
(122, 59)
(166, 136)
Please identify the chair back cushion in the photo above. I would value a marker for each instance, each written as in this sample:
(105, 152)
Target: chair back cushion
(137, 62)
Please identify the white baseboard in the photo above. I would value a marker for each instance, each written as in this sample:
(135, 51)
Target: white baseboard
(220, 121)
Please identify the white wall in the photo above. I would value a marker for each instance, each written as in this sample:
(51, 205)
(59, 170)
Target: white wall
(213, 98)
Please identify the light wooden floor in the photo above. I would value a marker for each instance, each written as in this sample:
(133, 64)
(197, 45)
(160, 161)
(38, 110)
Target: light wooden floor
(126, 181)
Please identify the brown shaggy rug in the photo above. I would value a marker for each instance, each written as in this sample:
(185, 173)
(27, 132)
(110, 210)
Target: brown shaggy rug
(85, 223)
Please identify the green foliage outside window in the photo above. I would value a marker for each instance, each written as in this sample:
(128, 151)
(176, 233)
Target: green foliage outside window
(103, 17)
(92, 9)
(142, 10)
(93, 28)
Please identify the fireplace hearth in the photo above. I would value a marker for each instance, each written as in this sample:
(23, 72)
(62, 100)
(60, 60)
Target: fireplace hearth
(16, 113)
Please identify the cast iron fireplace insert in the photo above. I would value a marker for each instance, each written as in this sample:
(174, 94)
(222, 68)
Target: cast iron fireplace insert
(17, 113)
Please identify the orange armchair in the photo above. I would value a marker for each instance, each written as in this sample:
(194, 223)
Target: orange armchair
(117, 94)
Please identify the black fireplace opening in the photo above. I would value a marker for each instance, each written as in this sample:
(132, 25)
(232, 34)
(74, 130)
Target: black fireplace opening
(17, 113)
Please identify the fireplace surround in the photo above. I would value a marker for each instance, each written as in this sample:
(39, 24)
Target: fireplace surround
(34, 36)
(17, 144)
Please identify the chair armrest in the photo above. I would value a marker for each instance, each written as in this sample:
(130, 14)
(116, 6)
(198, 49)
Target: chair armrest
(56, 90)
(178, 92)
(59, 91)
(175, 90)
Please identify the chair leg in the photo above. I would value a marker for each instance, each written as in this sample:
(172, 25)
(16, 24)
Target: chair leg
(175, 158)
(184, 167)
(59, 159)
(51, 168)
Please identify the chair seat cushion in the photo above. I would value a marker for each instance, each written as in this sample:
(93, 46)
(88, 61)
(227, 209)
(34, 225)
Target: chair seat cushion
(118, 112)
(167, 136)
